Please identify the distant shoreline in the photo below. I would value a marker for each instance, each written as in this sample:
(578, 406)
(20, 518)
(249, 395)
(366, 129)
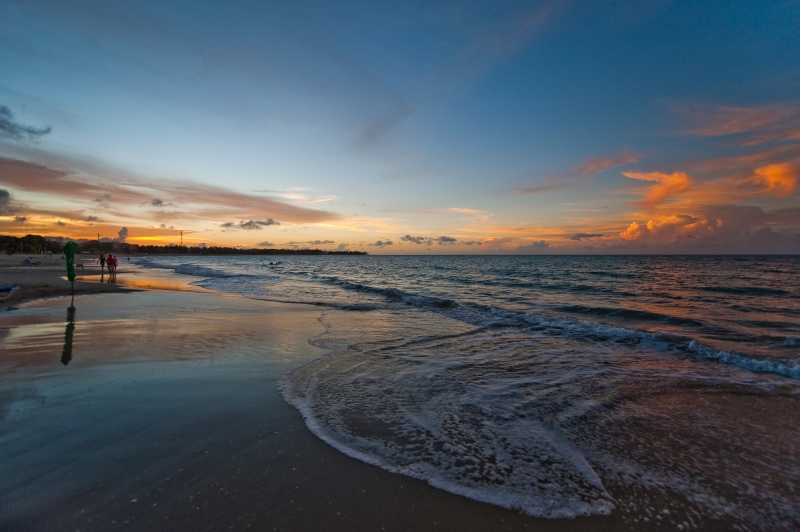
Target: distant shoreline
(216, 251)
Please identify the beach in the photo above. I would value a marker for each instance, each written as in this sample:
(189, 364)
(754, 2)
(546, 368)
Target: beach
(167, 416)
(49, 278)
(161, 409)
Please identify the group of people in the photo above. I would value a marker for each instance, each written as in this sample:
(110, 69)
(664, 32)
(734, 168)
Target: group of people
(109, 262)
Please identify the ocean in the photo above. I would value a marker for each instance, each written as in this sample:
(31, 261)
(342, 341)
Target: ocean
(664, 388)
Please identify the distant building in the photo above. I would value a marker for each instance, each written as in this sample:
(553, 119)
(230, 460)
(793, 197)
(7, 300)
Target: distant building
(201, 245)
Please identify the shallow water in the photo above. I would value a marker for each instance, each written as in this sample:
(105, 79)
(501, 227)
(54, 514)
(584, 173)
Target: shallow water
(663, 388)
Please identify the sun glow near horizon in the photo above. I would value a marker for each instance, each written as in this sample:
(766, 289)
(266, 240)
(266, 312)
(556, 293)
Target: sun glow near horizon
(342, 135)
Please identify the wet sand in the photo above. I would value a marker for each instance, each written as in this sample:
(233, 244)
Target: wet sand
(158, 409)
(166, 416)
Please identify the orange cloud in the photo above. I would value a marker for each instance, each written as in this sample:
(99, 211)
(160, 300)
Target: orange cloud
(633, 232)
(721, 228)
(779, 179)
(668, 184)
(670, 228)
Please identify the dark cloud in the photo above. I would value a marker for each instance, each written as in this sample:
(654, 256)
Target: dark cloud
(343, 247)
(790, 216)
(540, 188)
(86, 179)
(311, 242)
(164, 226)
(379, 126)
(5, 203)
(156, 202)
(582, 236)
(122, 234)
(445, 240)
(600, 164)
(252, 225)
(16, 131)
(381, 243)
(92, 219)
(20, 219)
(249, 225)
(416, 239)
(535, 247)
(266, 244)
(62, 224)
(472, 242)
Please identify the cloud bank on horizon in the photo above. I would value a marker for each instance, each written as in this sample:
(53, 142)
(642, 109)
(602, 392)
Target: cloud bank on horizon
(545, 128)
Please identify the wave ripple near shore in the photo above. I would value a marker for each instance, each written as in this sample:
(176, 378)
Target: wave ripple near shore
(660, 387)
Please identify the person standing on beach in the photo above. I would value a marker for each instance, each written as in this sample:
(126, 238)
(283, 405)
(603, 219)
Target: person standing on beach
(111, 263)
(102, 261)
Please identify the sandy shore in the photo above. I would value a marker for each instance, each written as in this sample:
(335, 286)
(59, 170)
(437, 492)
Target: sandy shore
(159, 410)
(48, 279)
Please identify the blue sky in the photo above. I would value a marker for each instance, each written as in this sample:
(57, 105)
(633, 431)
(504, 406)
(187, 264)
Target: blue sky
(511, 127)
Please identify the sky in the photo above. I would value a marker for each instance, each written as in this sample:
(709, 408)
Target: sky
(535, 127)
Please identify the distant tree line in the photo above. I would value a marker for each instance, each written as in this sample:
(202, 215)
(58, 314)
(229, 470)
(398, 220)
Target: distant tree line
(28, 244)
(220, 250)
(38, 244)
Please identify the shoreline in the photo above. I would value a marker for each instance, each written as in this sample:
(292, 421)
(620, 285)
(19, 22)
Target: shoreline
(174, 420)
(162, 410)
(167, 413)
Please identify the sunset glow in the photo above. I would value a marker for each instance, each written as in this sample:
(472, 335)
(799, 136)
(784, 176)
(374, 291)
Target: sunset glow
(552, 127)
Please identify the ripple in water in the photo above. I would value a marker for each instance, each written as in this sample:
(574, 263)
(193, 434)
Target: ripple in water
(557, 426)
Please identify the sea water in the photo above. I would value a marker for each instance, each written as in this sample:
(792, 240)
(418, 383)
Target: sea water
(664, 388)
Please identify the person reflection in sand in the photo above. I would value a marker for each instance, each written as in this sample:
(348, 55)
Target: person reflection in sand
(66, 354)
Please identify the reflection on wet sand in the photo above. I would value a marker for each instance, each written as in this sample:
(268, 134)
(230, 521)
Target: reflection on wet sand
(66, 353)
(146, 281)
(179, 398)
